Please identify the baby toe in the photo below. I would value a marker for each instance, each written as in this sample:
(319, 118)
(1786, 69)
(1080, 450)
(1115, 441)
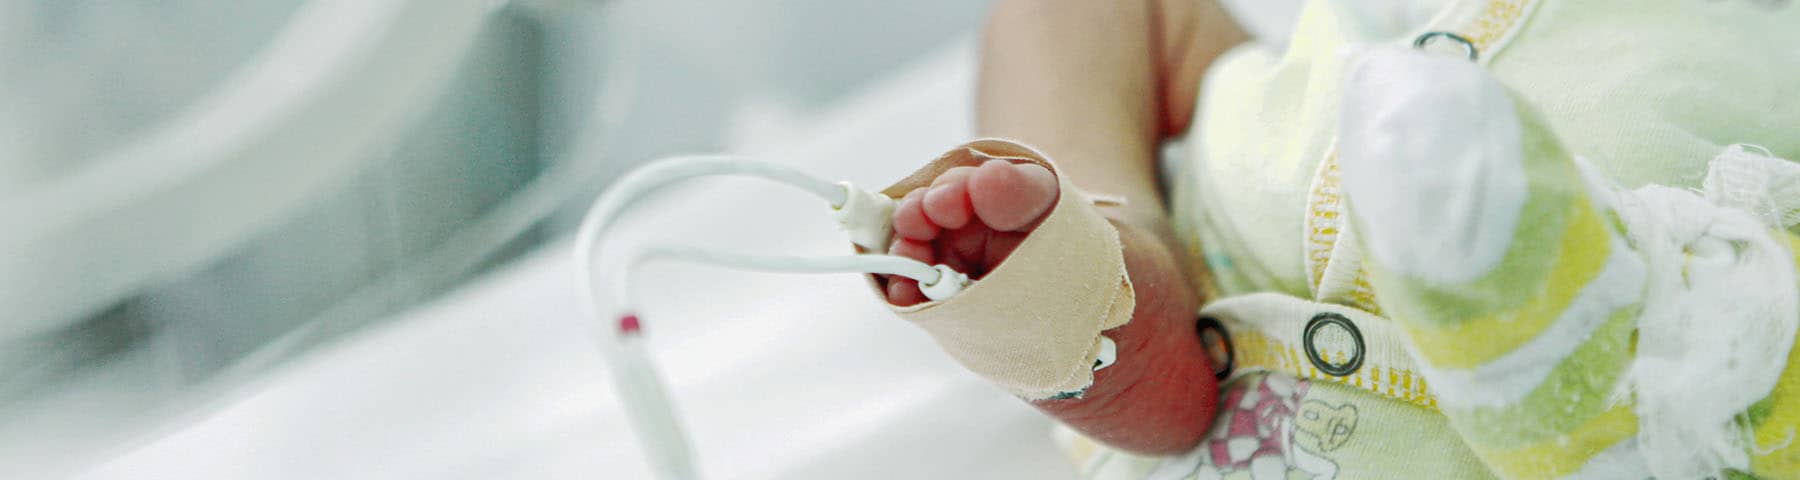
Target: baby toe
(904, 292)
(947, 201)
(909, 218)
(967, 246)
(1010, 197)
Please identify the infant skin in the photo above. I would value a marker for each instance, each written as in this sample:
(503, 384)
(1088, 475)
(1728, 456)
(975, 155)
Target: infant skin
(1161, 395)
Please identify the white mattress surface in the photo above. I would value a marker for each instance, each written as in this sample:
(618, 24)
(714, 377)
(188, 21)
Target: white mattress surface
(778, 376)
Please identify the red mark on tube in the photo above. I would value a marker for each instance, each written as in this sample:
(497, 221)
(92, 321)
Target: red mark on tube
(628, 325)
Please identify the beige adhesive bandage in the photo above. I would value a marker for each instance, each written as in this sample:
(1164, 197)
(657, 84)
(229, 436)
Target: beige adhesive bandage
(1032, 325)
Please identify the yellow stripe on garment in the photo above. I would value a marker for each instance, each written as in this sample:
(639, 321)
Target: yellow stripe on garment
(1253, 351)
(1777, 454)
(1578, 390)
(1563, 455)
(1467, 344)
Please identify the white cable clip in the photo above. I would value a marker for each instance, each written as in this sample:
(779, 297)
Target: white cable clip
(949, 283)
(866, 216)
(1109, 354)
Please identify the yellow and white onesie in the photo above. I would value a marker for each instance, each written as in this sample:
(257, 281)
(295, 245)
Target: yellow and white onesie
(1569, 257)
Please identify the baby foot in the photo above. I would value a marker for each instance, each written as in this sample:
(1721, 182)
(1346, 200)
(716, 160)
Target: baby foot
(970, 219)
(1160, 395)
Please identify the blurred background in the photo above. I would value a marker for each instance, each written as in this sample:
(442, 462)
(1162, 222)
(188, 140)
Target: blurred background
(328, 238)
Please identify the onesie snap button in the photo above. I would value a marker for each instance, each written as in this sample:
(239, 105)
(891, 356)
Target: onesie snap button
(1217, 344)
(1424, 41)
(1330, 333)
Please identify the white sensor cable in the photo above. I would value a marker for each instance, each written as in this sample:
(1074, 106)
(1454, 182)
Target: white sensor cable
(937, 282)
(864, 215)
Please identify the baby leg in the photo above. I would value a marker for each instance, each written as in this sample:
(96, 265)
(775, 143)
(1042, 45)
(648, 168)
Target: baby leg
(1488, 247)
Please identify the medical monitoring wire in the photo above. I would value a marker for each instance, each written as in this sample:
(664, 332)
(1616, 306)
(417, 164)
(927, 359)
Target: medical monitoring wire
(863, 215)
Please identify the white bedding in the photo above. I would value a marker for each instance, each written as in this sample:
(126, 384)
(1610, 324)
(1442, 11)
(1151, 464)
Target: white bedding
(778, 376)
